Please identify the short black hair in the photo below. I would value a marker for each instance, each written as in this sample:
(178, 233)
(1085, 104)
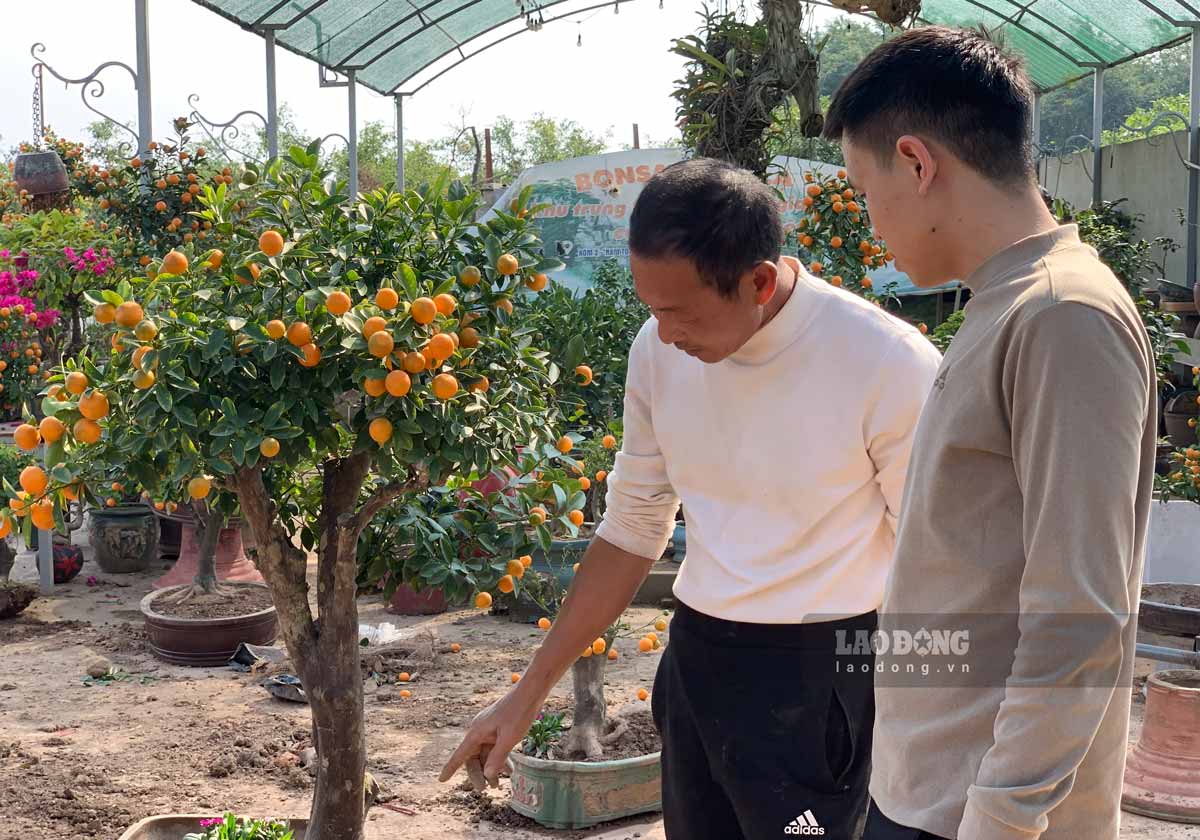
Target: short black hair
(955, 86)
(720, 217)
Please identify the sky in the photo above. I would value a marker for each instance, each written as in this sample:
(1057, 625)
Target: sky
(622, 74)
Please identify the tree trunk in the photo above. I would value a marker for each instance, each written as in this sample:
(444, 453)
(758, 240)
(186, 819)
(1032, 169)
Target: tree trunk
(789, 65)
(208, 531)
(587, 727)
(324, 651)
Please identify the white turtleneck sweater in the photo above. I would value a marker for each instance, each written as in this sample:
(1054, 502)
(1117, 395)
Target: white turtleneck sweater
(789, 457)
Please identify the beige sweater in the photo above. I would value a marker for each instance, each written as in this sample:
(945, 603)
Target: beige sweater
(1024, 518)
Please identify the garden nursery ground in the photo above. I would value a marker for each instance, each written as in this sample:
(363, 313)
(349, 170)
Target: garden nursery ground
(85, 758)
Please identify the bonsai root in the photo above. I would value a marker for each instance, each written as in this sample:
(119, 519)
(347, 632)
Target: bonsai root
(198, 590)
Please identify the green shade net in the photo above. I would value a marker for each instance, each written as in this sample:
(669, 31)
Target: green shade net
(388, 42)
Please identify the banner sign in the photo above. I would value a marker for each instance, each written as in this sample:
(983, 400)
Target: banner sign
(590, 198)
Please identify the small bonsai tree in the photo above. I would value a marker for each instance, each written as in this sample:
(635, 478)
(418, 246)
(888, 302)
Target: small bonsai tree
(337, 357)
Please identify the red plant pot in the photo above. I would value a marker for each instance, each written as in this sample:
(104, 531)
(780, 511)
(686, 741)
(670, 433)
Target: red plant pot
(231, 560)
(408, 601)
(1162, 773)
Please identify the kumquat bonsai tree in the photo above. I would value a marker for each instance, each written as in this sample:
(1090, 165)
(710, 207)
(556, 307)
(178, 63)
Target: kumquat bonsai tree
(338, 357)
(835, 238)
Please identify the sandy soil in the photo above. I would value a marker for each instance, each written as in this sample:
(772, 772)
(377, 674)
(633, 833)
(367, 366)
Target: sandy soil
(80, 761)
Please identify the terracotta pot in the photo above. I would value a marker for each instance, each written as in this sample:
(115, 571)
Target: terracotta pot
(231, 560)
(40, 173)
(205, 641)
(408, 601)
(124, 538)
(1162, 773)
(578, 794)
(174, 826)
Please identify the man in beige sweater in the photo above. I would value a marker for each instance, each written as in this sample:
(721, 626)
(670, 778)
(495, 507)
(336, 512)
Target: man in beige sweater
(1020, 545)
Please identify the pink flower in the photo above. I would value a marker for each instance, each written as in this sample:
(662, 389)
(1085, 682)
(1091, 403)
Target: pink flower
(92, 581)
(211, 822)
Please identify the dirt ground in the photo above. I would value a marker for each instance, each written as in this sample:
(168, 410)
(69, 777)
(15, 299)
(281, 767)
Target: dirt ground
(80, 761)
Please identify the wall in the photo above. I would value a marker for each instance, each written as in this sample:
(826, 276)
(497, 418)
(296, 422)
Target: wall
(1148, 172)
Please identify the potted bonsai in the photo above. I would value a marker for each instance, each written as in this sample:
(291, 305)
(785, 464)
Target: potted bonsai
(587, 773)
(256, 370)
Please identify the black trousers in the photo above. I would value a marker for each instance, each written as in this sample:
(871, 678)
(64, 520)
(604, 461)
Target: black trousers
(766, 730)
(879, 827)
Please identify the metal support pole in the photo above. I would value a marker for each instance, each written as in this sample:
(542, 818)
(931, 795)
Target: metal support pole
(1035, 127)
(1097, 136)
(637, 143)
(399, 142)
(142, 32)
(352, 134)
(272, 105)
(488, 171)
(1193, 205)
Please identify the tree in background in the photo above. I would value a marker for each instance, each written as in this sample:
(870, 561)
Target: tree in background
(539, 140)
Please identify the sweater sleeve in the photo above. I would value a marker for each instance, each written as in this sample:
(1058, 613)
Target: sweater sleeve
(906, 375)
(1078, 388)
(640, 504)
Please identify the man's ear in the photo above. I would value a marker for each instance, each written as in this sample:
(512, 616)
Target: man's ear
(765, 278)
(918, 160)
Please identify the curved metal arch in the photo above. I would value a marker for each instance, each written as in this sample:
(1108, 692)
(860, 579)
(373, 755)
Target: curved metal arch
(228, 130)
(90, 84)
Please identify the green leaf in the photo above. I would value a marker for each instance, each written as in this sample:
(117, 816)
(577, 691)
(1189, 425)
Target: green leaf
(184, 414)
(112, 297)
(575, 350)
(235, 323)
(164, 398)
(560, 498)
(278, 371)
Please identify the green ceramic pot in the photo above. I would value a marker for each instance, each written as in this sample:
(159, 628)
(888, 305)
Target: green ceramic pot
(578, 794)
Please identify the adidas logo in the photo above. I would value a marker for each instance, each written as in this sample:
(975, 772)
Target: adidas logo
(804, 825)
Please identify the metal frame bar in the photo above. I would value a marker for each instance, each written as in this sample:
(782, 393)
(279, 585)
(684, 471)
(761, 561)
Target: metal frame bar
(507, 37)
(1149, 5)
(261, 19)
(142, 36)
(417, 12)
(1014, 22)
(427, 26)
(272, 103)
(399, 97)
(308, 10)
(1097, 136)
(1035, 123)
(1193, 205)
(1027, 9)
(352, 105)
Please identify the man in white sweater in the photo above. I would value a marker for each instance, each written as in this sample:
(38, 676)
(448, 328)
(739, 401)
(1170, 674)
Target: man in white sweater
(780, 410)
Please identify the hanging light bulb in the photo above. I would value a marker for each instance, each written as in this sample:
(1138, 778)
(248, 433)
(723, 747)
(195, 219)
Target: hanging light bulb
(660, 4)
(579, 40)
(616, 8)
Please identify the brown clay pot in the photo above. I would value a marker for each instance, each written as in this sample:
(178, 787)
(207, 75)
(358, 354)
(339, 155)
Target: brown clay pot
(40, 173)
(1162, 773)
(205, 641)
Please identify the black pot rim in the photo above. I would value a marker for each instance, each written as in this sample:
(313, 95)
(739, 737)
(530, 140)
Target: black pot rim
(150, 614)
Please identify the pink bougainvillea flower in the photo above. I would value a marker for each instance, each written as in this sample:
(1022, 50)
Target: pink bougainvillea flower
(91, 581)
